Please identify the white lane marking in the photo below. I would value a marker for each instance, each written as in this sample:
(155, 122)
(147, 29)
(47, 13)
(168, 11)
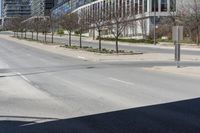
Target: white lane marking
(81, 57)
(23, 77)
(121, 81)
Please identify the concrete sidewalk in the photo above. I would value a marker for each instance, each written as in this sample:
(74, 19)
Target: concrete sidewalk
(186, 71)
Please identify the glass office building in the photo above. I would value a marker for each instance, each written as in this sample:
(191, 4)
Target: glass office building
(15, 8)
(41, 7)
(136, 10)
(66, 6)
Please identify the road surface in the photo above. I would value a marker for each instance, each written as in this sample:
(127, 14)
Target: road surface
(50, 93)
(111, 45)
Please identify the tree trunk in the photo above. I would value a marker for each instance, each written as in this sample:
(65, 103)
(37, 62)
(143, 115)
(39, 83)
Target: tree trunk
(117, 46)
(45, 37)
(93, 34)
(116, 39)
(32, 35)
(52, 37)
(17, 34)
(198, 34)
(21, 34)
(25, 34)
(70, 39)
(37, 36)
(99, 40)
(14, 33)
(80, 39)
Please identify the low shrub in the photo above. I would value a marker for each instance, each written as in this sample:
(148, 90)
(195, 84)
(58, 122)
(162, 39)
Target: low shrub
(60, 32)
(96, 50)
(149, 41)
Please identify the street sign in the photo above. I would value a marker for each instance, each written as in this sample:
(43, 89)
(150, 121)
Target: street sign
(177, 33)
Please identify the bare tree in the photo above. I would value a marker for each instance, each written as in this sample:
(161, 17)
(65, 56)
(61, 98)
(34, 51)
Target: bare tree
(166, 23)
(52, 27)
(83, 25)
(98, 21)
(118, 22)
(35, 25)
(70, 23)
(15, 25)
(31, 28)
(194, 10)
(143, 26)
(25, 28)
(45, 26)
(189, 17)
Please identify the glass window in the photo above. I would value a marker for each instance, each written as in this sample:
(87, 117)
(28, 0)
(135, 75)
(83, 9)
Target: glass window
(145, 5)
(120, 8)
(140, 6)
(172, 5)
(132, 7)
(128, 7)
(124, 8)
(154, 5)
(136, 7)
(164, 5)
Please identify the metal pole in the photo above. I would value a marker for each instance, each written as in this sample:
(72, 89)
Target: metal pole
(177, 46)
(154, 22)
(37, 28)
(178, 49)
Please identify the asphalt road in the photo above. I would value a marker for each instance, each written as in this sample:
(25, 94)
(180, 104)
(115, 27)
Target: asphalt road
(42, 92)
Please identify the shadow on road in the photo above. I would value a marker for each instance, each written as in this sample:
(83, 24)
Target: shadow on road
(176, 117)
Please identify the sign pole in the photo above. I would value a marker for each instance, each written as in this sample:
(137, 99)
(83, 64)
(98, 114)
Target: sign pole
(177, 36)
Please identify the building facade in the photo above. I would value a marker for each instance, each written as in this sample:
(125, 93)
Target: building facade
(41, 7)
(66, 6)
(145, 14)
(15, 8)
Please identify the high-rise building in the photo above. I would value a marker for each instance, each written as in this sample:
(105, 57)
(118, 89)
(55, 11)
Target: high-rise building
(1, 23)
(41, 7)
(1, 7)
(56, 2)
(15, 8)
(144, 13)
(65, 6)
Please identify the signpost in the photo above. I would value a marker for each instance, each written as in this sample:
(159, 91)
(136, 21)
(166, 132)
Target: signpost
(177, 35)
